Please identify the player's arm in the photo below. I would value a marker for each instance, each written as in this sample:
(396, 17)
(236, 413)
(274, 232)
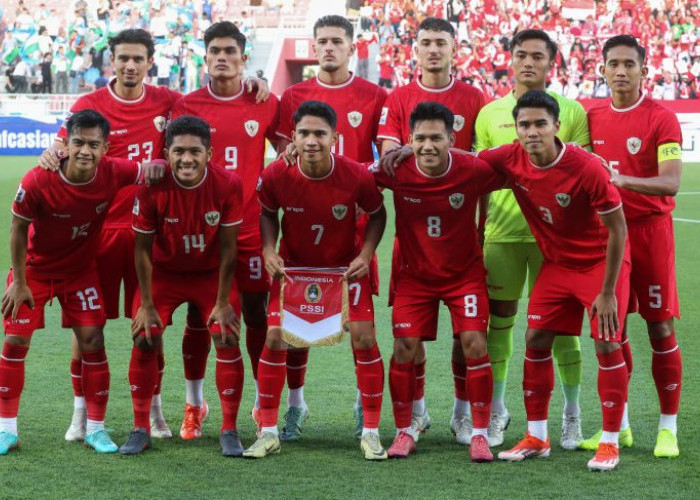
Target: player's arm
(269, 232)
(605, 304)
(146, 316)
(18, 291)
(666, 183)
(359, 267)
(223, 313)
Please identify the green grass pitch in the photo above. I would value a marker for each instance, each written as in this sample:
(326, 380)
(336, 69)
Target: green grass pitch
(327, 462)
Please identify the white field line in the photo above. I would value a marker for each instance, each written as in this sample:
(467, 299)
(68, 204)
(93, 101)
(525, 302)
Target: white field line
(678, 219)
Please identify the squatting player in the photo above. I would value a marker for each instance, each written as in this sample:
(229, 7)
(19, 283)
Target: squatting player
(319, 195)
(567, 198)
(641, 141)
(436, 196)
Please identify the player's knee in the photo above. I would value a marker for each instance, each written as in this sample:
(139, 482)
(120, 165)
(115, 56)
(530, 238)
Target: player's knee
(17, 340)
(606, 347)
(660, 330)
(194, 317)
(273, 340)
(405, 349)
(141, 342)
(473, 344)
(362, 334)
(230, 341)
(254, 308)
(89, 338)
(503, 308)
(539, 339)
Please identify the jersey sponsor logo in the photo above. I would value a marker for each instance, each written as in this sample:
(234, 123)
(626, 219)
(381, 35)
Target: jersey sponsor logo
(456, 200)
(135, 209)
(459, 123)
(563, 199)
(340, 211)
(251, 126)
(411, 200)
(296, 210)
(598, 142)
(19, 197)
(355, 118)
(159, 122)
(383, 116)
(534, 316)
(172, 220)
(101, 207)
(313, 293)
(212, 218)
(402, 325)
(61, 216)
(634, 144)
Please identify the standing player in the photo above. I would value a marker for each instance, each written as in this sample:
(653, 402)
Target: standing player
(238, 146)
(567, 198)
(66, 211)
(434, 49)
(320, 195)
(436, 196)
(358, 106)
(510, 250)
(186, 229)
(641, 141)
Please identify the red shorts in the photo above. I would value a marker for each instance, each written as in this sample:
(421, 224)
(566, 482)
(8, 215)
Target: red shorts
(417, 302)
(80, 299)
(560, 296)
(359, 297)
(171, 289)
(653, 276)
(115, 263)
(251, 276)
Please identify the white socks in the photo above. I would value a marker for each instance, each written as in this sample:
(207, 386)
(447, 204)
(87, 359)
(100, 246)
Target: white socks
(295, 397)
(538, 429)
(419, 407)
(668, 422)
(93, 426)
(194, 392)
(8, 425)
(460, 408)
(609, 437)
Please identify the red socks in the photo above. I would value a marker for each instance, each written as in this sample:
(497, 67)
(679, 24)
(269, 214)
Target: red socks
(271, 374)
(254, 342)
(76, 379)
(95, 376)
(459, 373)
(161, 370)
(11, 378)
(667, 370)
(612, 388)
(538, 382)
(196, 343)
(229, 383)
(369, 369)
(296, 367)
(143, 376)
(402, 385)
(626, 348)
(420, 381)
(480, 388)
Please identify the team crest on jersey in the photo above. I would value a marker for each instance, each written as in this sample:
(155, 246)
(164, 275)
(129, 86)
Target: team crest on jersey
(159, 122)
(212, 218)
(251, 126)
(456, 200)
(459, 123)
(383, 116)
(340, 211)
(19, 197)
(355, 118)
(101, 207)
(313, 293)
(634, 144)
(563, 199)
(135, 209)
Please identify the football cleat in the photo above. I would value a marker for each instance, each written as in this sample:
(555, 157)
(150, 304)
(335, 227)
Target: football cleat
(76, 431)
(359, 421)
(530, 447)
(192, 422)
(8, 442)
(101, 442)
(479, 450)
(624, 440)
(160, 429)
(293, 422)
(461, 428)
(372, 447)
(606, 458)
(403, 445)
(266, 444)
(666, 445)
(230, 444)
(498, 423)
(138, 441)
(571, 435)
(420, 423)
(205, 411)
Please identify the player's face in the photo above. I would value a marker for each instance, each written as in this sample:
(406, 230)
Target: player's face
(188, 157)
(85, 149)
(131, 63)
(536, 130)
(531, 63)
(225, 59)
(434, 50)
(333, 48)
(622, 71)
(431, 144)
(313, 138)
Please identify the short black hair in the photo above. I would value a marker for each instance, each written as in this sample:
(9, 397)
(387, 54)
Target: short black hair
(334, 21)
(624, 41)
(430, 110)
(134, 35)
(436, 24)
(537, 99)
(521, 36)
(87, 118)
(224, 29)
(188, 125)
(318, 109)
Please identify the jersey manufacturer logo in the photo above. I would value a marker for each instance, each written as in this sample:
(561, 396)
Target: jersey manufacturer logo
(172, 220)
(251, 126)
(159, 122)
(671, 387)
(101, 207)
(355, 118)
(61, 216)
(212, 218)
(609, 404)
(340, 211)
(383, 116)
(135, 209)
(459, 123)
(563, 199)
(634, 144)
(456, 200)
(522, 187)
(313, 293)
(19, 197)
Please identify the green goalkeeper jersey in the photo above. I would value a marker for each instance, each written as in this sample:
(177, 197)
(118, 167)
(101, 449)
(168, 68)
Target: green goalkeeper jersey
(495, 126)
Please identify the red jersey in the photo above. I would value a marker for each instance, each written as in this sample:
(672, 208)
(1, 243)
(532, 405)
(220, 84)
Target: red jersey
(186, 220)
(435, 216)
(318, 224)
(629, 140)
(66, 218)
(461, 98)
(137, 132)
(239, 127)
(358, 104)
(561, 201)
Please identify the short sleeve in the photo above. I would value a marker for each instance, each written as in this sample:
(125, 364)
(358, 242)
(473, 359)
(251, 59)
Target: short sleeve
(286, 113)
(487, 178)
(27, 202)
(232, 209)
(481, 130)
(390, 120)
(125, 172)
(266, 190)
(178, 109)
(144, 212)
(369, 198)
(379, 104)
(498, 158)
(668, 130)
(380, 177)
(274, 111)
(604, 196)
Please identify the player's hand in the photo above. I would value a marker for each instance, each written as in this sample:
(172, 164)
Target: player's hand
(263, 89)
(393, 158)
(224, 315)
(145, 319)
(618, 180)
(14, 297)
(289, 155)
(274, 265)
(153, 171)
(605, 306)
(358, 268)
(51, 158)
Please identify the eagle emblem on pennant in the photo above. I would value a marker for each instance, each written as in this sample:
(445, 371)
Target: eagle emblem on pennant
(563, 199)
(459, 123)
(212, 218)
(159, 122)
(634, 144)
(251, 126)
(313, 293)
(456, 200)
(340, 211)
(355, 118)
